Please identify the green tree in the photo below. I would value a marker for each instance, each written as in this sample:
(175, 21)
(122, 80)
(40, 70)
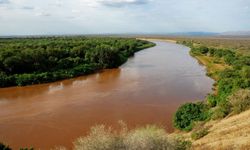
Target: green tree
(188, 113)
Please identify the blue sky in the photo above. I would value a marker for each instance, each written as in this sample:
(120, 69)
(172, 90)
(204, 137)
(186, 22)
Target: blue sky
(29, 17)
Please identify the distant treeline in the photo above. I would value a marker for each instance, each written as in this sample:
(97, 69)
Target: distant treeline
(233, 88)
(25, 61)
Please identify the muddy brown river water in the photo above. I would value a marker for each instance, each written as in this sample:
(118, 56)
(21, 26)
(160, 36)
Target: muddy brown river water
(145, 90)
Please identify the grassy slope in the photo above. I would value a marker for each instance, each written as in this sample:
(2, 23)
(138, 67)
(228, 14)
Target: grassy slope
(229, 133)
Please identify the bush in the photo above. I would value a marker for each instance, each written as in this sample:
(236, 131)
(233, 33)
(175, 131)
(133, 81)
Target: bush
(223, 109)
(100, 138)
(145, 138)
(4, 147)
(148, 138)
(26, 148)
(203, 50)
(188, 113)
(25, 79)
(245, 72)
(240, 101)
(181, 144)
(199, 134)
(212, 100)
(236, 103)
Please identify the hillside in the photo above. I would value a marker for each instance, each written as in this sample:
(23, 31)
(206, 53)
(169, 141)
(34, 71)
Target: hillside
(229, 133)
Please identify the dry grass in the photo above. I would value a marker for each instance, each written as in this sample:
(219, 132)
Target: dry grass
(158, 39)
(211, 66)
(144, 138)
(240, 101)
(229, 133)
(232, 133)
(241, 44)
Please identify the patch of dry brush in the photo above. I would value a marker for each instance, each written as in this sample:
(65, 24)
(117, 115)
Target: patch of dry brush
(144, 138)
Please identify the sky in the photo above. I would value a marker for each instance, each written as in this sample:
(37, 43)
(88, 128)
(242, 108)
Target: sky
(38, 17)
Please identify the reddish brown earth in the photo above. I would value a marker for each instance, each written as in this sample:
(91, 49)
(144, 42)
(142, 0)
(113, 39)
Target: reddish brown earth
(146, 90)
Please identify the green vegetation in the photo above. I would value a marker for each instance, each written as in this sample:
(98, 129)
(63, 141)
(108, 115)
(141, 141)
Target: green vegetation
(26, 148)
(239, 101)
(232, 85)
(25, 61)
(199, 133)
(240, 44)
(188, 113)
(145, 138)
(4, 147)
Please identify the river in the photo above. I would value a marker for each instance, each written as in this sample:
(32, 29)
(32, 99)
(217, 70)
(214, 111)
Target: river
(146, 90)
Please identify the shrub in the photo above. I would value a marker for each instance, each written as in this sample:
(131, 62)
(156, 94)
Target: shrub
(4, 147)
(223, 109)
(188, 113)
(212, 101)
(240, 101)
(245, 72)
(26, 148)
(148, 138)
(203, 49)
(199, 134)
(181, 144)
(100, 138)
(59, 148)
(145, 138)
(24, 79)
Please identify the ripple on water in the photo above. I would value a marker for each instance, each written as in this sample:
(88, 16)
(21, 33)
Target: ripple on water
(55, 88)
(4, 101)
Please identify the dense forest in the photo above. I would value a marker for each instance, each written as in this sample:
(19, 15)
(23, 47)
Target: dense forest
(25, 61)
(232, 87)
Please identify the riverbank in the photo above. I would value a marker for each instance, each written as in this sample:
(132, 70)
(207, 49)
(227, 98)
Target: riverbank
(227, 126)
(158, 39)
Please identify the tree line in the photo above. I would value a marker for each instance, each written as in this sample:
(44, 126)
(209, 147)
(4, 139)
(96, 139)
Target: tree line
(25, 61)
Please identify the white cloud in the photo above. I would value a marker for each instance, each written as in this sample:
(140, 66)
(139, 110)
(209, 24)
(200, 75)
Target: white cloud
(121, 16)
(120, 3)
(45, 14)
(4, 1)
(28, 7)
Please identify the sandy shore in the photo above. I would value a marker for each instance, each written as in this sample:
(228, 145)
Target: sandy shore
(158, 39)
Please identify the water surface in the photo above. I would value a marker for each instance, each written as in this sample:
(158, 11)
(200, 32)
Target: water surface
(145, 90)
